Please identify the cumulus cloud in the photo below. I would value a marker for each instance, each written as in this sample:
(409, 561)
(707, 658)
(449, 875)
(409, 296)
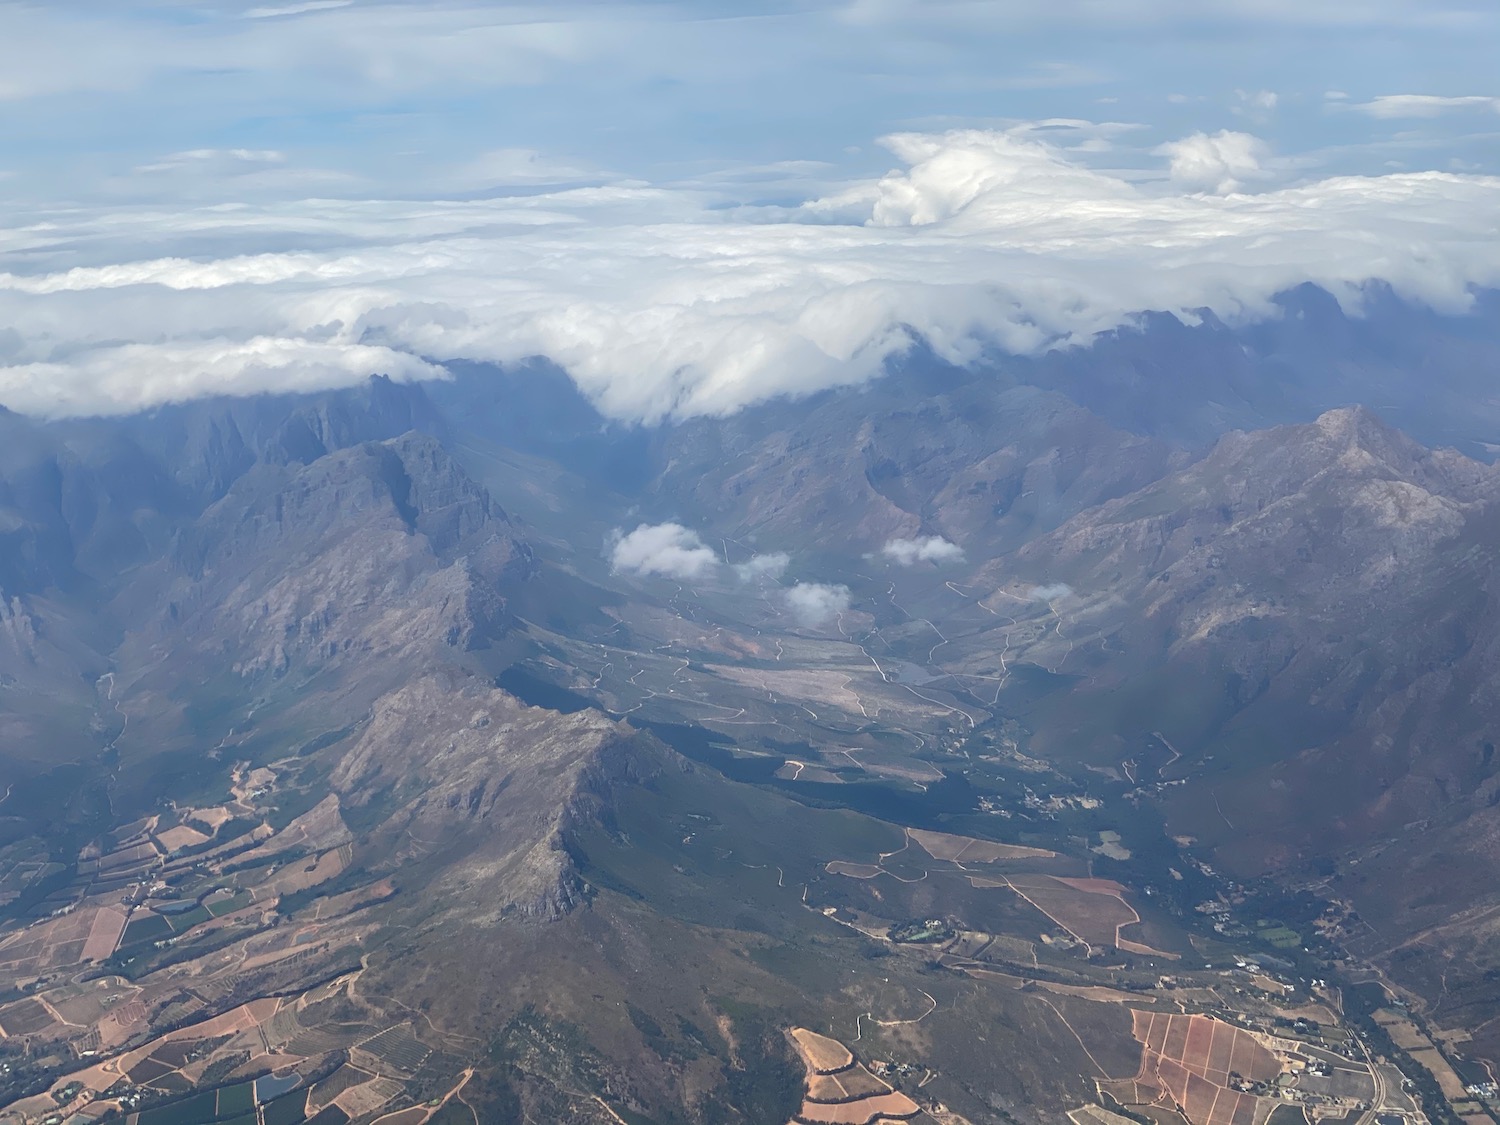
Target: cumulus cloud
(1423, 105)
(1050, 593)
(814, 603)
(667, 549)
(1220, 162)
(660, 303)
(934, 549)
(771, 566)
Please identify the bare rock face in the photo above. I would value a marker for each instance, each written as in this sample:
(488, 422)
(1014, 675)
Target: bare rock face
(477, 780)
(1322, 594)
(379, 554)
(1316, 534)
(984, 468)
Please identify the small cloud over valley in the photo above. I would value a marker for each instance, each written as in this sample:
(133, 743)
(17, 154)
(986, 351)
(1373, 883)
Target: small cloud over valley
(933, 549)
(771, 566)
(666, 549)
(815, 603)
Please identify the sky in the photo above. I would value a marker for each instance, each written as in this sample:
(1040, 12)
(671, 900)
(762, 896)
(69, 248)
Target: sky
(693, 206)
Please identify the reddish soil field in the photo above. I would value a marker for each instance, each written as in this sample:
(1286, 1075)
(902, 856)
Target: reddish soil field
(105, 933)
(894, 1104)
(1188, 1060)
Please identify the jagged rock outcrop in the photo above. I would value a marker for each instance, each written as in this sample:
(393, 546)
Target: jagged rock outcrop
(483, 789)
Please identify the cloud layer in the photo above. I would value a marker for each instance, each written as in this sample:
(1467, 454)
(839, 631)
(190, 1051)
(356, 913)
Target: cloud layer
(661, 302)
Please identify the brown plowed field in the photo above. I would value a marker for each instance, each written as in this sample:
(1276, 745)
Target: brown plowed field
(105, 933)
(1188, 1060)
(856, 1082)
(822, 1054)
(966, 849)
(862, 1112)
(1093, 910)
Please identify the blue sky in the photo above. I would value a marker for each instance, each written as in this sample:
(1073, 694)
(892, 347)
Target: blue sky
(694, 206)
(346, 98)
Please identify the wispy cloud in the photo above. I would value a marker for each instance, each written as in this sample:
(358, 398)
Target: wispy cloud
(1054, 592)
(1423, 105)
(235, 159)
(771, 566)
(272, 12)
(816, 603)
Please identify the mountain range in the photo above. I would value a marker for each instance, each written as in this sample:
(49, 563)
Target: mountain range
(337, 745)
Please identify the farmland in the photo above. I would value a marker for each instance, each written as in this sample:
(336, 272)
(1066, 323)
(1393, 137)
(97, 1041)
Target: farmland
(1188, 1061)
(200, 905)
(840, 1090)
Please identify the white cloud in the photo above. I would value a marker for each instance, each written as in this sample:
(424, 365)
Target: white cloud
(1220, 162)
(1052, 593)
(1423, 105)
(219, 159)
(296, 9)
(507, 167)
(814, 603)
(933, 549)
(756, 567)
(661, 303)
(667, 549)
(162, 373)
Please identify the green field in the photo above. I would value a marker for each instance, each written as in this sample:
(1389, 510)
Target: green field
(236, 1099)
(196, 1110)
(230, 905)
(152, 927)
(181, 923)
(1277, 934)
(288, 1110)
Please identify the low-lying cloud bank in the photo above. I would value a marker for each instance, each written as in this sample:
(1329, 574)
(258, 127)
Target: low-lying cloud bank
(663, 302)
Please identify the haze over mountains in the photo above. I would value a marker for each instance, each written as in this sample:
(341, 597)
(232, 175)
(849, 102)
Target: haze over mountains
(453, 805)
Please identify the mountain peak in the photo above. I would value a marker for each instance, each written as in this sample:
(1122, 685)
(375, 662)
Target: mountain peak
(1355, 423)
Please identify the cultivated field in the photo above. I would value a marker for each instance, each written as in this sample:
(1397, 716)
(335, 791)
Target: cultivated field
(1093, 910)
(840, 1091)
(894, 1104)
(1423, 1052)
(1187, 1061)
(966, 849)
(104, 934)
(821, 1054)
